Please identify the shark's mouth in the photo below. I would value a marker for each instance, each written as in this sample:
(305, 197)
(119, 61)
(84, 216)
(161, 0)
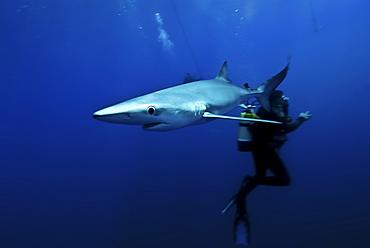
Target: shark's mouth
(151, 125)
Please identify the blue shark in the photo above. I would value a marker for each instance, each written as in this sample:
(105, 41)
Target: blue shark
(190, 104)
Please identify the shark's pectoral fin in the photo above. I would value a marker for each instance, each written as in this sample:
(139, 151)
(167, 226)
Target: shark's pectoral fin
(210, 115)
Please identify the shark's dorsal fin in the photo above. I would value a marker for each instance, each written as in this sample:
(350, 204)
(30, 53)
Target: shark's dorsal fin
(222, 73)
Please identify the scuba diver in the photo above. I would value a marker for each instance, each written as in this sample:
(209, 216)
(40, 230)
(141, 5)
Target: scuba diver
(265, 143)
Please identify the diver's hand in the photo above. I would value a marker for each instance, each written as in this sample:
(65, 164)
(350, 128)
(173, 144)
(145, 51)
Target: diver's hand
(305, 115)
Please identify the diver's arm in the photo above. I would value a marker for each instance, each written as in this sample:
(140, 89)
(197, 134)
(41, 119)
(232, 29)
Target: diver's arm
(292, 126)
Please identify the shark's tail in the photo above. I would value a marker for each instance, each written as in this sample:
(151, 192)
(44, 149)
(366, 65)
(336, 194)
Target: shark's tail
(270, 85)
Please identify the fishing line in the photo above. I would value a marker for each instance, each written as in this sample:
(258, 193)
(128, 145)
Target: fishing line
(313, 16)
(186, 38)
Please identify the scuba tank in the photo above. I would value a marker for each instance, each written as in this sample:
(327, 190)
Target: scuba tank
(245, 142)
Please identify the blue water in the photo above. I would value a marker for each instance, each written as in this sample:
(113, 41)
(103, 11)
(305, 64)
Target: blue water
(67, 180)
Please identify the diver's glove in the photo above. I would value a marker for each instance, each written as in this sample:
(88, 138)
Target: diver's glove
(305, 115)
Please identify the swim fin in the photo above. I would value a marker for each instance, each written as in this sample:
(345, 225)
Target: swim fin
(230, 203)
(246, 186)
(242, 231)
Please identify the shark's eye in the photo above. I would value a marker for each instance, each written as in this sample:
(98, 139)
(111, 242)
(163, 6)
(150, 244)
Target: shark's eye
(151, 110)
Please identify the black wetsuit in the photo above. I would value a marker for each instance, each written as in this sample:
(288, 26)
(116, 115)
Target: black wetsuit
(268, 139)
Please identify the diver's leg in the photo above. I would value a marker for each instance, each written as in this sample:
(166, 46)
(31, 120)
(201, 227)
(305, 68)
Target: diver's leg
(275, 164)
(247, 185)
(250, 183)
(266, 158)
(261, 161)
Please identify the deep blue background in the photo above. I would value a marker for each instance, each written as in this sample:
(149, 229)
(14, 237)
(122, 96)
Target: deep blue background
(67, 180)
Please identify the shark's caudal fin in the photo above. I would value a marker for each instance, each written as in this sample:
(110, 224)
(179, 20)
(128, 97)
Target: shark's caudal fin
(270, 85)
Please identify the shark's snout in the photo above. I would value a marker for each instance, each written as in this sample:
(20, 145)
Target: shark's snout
(99, 117)
(103, 115)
